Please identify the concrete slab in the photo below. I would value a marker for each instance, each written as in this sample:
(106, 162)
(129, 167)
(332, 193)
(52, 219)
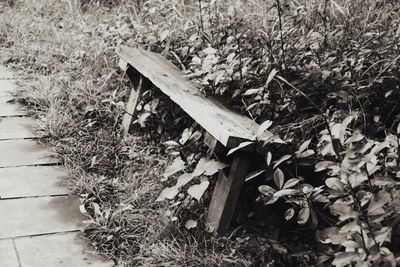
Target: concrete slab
(33, 181)
(7, 87)
(22, 152)
(8, 256)
(58, 250)
(5, 73)
(36, 216)
(16, 128)
(8, 107)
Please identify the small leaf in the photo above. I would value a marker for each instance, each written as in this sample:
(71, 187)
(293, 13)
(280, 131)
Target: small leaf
(168, 193)
(200, 167)
(306, 154)
(171, 143)
(291, 182)
(344, 258)
(263, 127)
(177, 165)
(197, 190)
(213, 166)
(266, 190)
(253, 91)
(254, 174)
(289, 214)
(271, 76)
(282, 159)
(269, 158)
(184, 179)
(303, 216)
(279, 178)
(375, 207)
(343, 127)
(240, 146)
(304, 146)
(190, 224)
(323, 165)
(185, 136)
(335, 184)
(285, 192)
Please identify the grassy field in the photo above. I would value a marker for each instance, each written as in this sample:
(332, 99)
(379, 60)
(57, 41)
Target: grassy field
(339, 57)
(68, 76)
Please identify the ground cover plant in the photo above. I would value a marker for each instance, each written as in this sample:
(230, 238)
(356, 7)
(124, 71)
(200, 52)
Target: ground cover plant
(321, 78)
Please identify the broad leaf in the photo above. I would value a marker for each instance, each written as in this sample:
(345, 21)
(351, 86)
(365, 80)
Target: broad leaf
(291, 182)
(177, 165)
(282, 159)
(263, 127)
(335, 184)
(344, 258)
(266, 190)
(303, 147)
(168, 193)
(240, 146)
(271, 76)
(304, 215)
(213, 166)
(289, 214)
(197, 190)
(279, 178)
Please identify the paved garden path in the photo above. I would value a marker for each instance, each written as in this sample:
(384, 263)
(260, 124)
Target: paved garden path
(39, 220)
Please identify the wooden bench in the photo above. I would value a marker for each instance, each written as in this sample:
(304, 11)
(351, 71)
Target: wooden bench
(225, 127)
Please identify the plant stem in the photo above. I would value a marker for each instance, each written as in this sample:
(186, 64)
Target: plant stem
(201, 17)
(281, 33)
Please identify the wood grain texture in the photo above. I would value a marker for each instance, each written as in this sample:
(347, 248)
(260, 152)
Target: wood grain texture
(130, 107)
(17, 128)
(228, 127)
(226, 194)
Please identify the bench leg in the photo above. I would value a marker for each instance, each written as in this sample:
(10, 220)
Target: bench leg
(130, 107)
(226, 194)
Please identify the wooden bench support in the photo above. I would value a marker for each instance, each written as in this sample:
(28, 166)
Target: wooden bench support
(140, 84)
(226, 194)
(225, 128)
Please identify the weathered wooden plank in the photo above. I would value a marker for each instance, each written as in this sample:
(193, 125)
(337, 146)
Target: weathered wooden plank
(228, 127)
(36, 216)
(21, 152)
(33, 181)
(130, 108)
(226, 194)
(5, 73)
(16, 128)
(8, 107)
(8, 256)
(7, 87)
(67, 249)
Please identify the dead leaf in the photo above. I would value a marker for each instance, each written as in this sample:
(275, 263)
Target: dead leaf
(177, 165)
(190, 224)
(197, 190)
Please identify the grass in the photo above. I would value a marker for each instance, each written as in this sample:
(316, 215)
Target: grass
(63, 52)
(68, 76)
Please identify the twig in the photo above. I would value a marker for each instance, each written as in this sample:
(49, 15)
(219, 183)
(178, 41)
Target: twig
(201, 17)
(281, 33)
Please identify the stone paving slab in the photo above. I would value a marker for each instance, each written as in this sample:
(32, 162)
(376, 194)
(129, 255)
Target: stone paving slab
(5, 73)
(7, 87)
(8, 256)
(36, 216)
(16, 128)
(22, 152)
(33, 181)
(58, 250)
(9, 108)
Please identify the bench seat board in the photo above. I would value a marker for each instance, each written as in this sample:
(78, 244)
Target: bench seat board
(228, 127)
